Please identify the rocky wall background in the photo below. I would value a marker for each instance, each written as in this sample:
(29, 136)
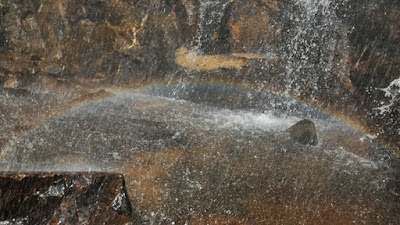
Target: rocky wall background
(339, 55)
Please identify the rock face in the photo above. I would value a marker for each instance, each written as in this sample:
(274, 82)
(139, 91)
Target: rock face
(340, 56)
(304, 132)
(64, 199)
(315, 50)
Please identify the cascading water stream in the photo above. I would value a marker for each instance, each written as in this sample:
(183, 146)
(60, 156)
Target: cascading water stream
(315, 45)
(212, 35)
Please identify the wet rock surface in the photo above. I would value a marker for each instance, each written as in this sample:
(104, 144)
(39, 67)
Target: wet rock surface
(316, 51)
(64, 199)
(304, 132)
(187, 162)
(237, 75)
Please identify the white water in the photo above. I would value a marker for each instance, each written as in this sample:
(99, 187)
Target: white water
(94, 136)
(311, 45)
(240, 120)
(392, 92)
(222, 154)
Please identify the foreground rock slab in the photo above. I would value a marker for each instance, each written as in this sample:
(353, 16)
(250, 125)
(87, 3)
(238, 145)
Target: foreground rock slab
(64, 199)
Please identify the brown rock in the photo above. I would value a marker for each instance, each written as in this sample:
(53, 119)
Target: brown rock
(304, 132)
(64, 199)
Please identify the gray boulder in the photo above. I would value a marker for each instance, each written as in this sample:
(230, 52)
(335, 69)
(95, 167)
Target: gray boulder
(304, 132)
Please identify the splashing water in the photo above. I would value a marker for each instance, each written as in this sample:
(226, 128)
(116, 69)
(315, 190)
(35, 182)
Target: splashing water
(393, 92)
(213, 16)
(178, 156)
(313, 35)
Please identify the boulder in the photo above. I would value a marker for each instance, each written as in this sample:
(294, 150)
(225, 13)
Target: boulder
(304, 132)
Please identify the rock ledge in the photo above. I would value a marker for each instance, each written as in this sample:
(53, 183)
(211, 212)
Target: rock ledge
(96, 198)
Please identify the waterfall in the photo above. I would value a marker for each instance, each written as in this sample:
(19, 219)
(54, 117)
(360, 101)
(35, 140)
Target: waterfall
(212, 37)
(315, 44)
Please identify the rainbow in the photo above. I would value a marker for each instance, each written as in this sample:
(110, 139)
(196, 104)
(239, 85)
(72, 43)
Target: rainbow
(259, 100)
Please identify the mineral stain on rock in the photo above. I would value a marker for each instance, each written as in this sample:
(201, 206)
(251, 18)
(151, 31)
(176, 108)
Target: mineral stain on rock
(304, 132)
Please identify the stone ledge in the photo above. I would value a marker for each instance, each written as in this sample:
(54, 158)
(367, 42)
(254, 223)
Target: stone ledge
(64, 198)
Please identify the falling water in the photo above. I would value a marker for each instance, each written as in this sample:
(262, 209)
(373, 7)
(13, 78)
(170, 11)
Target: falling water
(212, 35)
(315, 38)
(206, 153)
(177, 155)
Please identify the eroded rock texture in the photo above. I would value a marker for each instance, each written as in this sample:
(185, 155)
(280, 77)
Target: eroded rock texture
(64, 199)
(342, 56)
(339, 56)
(374, 64)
